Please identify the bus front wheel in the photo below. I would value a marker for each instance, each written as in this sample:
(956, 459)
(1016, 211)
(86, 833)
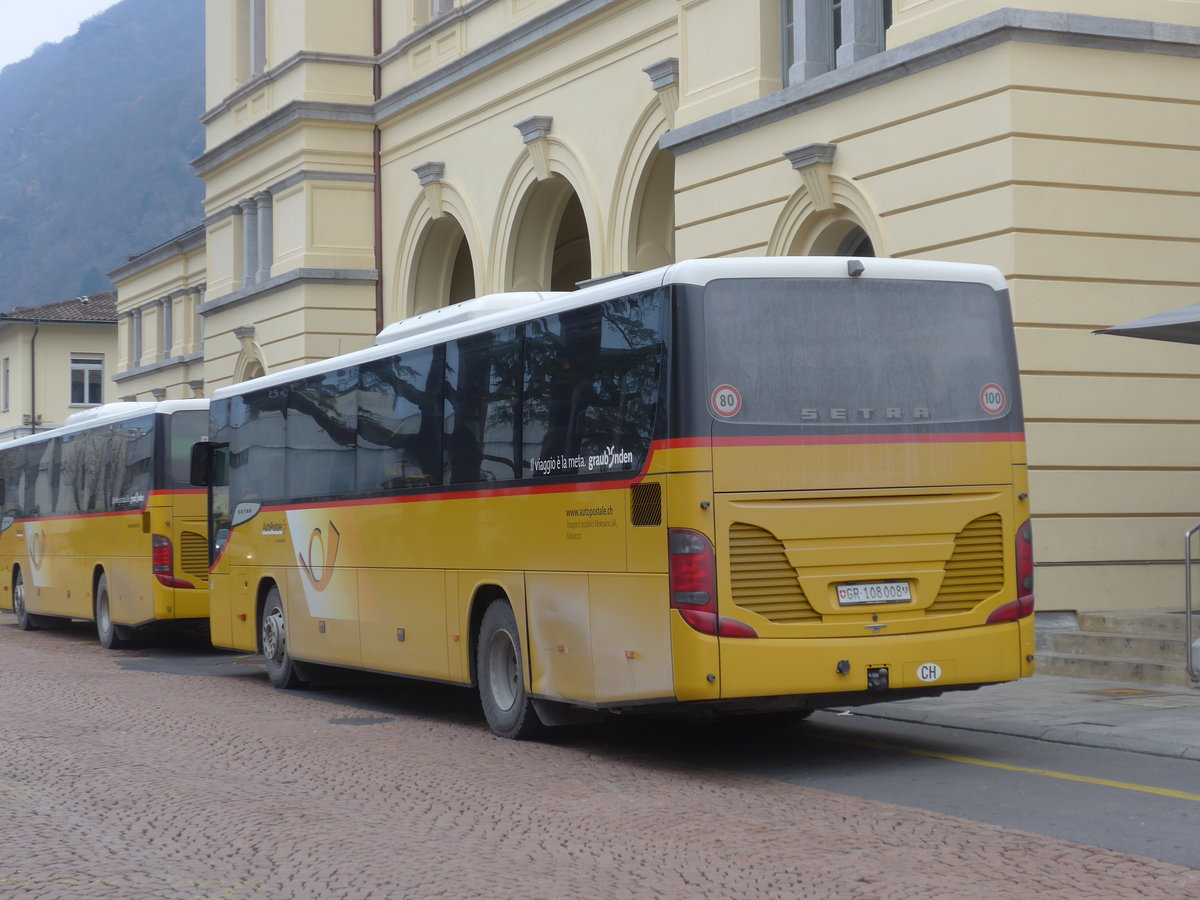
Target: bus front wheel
(111, 635)
(25, 621)
(506, 704)
(283, 671)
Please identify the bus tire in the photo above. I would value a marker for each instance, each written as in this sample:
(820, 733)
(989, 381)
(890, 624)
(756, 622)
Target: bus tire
(111, 635)
(501, 675)
(25, 621)
(283, 671)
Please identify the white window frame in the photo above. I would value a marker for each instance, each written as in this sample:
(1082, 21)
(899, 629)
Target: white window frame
(85, 363)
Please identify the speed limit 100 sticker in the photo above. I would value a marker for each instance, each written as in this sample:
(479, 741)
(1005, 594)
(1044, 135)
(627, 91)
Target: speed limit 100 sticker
(726, 401)
(993, 399)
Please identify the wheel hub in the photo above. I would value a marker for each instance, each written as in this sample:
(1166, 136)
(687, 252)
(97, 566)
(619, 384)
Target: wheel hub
(504, 671)
(273, 636)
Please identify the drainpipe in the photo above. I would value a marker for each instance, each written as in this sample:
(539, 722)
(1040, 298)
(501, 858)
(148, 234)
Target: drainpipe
(377, 166)
(37, 324)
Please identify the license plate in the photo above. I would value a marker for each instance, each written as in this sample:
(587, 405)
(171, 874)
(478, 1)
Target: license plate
(873, 592)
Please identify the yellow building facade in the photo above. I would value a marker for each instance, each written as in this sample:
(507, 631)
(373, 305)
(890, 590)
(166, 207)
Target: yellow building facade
(55, 360)
(160, 340)
(366, 160)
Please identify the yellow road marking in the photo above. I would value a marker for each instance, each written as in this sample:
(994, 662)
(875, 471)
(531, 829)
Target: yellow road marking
(1046, 773)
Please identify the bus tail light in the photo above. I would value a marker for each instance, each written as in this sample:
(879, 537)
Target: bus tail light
(162, 562)
(162, 554)
(1023, 605)
(693, 567)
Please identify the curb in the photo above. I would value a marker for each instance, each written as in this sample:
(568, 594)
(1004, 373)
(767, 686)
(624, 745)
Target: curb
(1058, 734)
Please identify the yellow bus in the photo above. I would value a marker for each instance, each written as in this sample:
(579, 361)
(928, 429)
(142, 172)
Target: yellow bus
(102, 523)
(737, 485)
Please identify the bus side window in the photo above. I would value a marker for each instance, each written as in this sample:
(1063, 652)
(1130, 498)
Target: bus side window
(400, 422)
(483, 375)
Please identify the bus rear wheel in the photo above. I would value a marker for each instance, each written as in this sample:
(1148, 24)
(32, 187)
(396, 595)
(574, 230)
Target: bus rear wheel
(111, 635)
(283, 671)
(506, 704)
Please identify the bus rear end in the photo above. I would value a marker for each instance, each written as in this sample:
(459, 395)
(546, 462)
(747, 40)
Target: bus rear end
(177, 520)
(865, 533)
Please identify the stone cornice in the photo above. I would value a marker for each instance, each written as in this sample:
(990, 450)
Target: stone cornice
(519, 39)
(281, 119)
(287, 280)
(276, 72)
(1001, 26)
(431, 28)
(171, 363)
(187, 242)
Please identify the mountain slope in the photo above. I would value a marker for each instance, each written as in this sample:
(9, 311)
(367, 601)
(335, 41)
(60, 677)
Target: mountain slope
(96, 136)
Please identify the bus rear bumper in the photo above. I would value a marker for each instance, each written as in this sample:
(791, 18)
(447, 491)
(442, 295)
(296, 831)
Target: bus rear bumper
(875, 665)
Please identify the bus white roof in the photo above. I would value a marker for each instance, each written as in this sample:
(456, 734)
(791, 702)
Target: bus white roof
(110, 412)
(466, 311)
(497, 310)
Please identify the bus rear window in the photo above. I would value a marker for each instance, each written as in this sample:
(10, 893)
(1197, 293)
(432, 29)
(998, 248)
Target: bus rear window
(857, 352)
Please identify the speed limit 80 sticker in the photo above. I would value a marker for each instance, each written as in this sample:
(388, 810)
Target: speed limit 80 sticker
(993, 399)
(726, 401)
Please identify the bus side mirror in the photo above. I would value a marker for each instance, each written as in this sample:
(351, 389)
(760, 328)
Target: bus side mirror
(202, 456)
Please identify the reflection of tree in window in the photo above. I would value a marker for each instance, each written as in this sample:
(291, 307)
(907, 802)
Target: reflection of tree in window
(105, 468)
(12, 470)
(256, 441)
(592, 383)
(400, 422)
(322, 429)
(35, 478)
(481, 431)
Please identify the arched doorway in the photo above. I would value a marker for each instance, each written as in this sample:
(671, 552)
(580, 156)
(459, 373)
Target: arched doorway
(444, 270)
(652, 231)
(252, 369)
(840, 237)
(572, 259)
(551, 246)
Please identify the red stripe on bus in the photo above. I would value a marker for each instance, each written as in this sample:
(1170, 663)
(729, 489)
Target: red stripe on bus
(827, 440)
(93, 515)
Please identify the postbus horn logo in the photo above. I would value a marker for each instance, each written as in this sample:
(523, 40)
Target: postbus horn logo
(37, 548)
(318, 568)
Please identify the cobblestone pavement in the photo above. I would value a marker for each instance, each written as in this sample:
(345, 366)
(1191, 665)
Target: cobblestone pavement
(119, 781)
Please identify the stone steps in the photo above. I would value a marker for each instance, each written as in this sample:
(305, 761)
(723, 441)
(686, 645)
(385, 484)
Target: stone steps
(1139, 647)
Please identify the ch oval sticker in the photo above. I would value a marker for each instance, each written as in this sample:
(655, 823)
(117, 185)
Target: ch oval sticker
(929, 672)
(726, 401)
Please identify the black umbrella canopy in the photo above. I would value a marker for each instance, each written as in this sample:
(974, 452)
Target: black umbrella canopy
(1179, 325)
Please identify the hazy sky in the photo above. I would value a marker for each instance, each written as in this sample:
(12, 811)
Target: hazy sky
(26, 24)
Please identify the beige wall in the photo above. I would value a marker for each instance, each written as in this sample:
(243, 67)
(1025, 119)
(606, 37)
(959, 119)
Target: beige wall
(913, 19)
(304, 324)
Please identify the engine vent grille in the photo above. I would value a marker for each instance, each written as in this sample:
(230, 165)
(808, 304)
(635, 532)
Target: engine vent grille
(645, 504)
(763, 581)
(193, 555)
(975, 571)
